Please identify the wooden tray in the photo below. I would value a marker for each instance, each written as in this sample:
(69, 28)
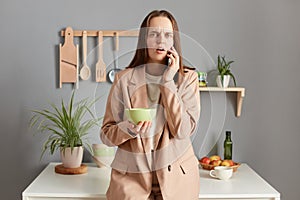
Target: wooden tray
(60, 169)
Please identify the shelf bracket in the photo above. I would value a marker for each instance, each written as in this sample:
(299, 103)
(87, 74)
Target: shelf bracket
(239, 96)
(239, 101)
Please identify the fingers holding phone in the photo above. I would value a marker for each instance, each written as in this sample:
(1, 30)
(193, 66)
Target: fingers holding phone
(173, 57)
(173, 64)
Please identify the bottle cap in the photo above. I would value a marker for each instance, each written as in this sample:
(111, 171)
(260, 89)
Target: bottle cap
(228, 133)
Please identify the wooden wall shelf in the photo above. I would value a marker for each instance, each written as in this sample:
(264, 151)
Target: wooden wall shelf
(240, 95)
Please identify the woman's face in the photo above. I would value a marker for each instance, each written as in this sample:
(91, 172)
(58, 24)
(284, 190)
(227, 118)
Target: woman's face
(159, 39)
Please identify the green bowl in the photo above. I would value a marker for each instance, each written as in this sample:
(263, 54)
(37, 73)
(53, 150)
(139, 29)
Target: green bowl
(103, 150)
(135, 115)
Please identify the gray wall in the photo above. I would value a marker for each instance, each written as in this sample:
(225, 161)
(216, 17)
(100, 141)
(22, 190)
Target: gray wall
(263, 37)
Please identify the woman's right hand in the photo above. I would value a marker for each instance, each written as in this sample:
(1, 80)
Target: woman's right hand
(141, 128)
(173, 67)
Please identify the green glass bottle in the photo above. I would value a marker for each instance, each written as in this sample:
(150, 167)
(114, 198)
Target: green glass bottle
(228, 146)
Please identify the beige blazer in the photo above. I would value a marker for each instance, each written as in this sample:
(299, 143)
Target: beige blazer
(173, 159)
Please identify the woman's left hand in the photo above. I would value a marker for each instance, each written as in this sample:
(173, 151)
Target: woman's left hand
(141, 128)
(173, 67)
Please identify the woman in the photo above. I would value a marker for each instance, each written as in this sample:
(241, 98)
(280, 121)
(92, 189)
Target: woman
(154, 160)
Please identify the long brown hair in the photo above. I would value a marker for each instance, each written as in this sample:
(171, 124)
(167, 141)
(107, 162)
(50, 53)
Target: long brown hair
(141, 54)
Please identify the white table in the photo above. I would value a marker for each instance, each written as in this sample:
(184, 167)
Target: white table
(245, 184)
(50, 185)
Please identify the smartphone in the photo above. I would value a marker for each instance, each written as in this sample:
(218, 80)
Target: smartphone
(169, 61)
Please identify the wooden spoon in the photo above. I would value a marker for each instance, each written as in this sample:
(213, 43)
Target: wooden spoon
(100, 65)
(85, 71)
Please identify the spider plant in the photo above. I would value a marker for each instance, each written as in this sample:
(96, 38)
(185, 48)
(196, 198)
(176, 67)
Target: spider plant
(65, 125)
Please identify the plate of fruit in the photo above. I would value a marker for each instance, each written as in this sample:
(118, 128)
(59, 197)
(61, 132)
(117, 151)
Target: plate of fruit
(211, 162)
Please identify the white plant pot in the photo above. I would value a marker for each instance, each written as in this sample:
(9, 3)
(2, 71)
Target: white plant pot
(225, 82)
(71, 159)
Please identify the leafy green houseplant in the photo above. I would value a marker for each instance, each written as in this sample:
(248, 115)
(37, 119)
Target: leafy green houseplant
(224, 72)
(66, 127)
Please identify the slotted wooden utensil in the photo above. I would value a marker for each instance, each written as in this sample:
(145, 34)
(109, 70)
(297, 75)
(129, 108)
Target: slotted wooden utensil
(100, 65)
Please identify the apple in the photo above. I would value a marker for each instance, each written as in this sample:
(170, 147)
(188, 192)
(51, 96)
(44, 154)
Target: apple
(215, 162)
(214, 157)
(205, 160)
(225, 163)
(231, 162)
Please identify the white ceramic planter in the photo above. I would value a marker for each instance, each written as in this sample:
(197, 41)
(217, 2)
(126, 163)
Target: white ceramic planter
(225, 83)
(72, 159)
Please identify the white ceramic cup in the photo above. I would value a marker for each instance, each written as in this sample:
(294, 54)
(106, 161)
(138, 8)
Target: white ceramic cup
(221, 172)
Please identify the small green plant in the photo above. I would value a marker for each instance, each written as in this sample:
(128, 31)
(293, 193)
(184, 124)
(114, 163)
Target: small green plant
(224, 68)
(65, 125)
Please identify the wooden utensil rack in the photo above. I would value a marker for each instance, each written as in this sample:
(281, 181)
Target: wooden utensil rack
(106, 33)
(69, 56)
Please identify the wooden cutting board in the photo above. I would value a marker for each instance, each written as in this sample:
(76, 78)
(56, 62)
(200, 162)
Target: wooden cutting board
(60, 169)
(68, 59)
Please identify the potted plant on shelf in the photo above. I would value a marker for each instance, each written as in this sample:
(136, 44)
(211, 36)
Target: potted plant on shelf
(224, 72)
(66, 129)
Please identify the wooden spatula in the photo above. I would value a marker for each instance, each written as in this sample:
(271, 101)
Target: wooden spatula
(100, 65)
